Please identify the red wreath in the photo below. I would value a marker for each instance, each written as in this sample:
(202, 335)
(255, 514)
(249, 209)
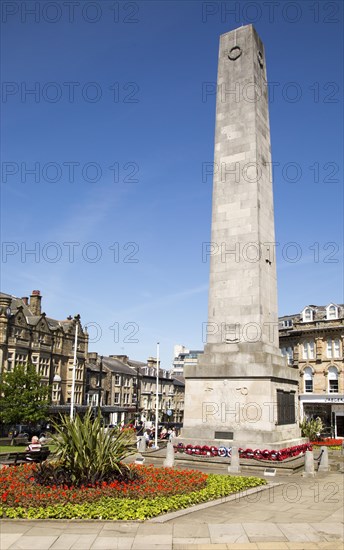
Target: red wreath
(214, 451)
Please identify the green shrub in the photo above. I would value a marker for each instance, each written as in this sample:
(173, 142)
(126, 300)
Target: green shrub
(87, 452)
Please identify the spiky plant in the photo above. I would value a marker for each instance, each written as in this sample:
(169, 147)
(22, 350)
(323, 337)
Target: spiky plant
(88, 452)
(311, 428)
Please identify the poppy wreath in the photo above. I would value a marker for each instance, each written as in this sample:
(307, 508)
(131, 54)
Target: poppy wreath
(258, 454)
(205, 451)
(222, 451)
(214, 451)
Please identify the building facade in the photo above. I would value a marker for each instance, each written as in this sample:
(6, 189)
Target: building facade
(313, 341)
(125, 390)
(182, 358)
(28, 335)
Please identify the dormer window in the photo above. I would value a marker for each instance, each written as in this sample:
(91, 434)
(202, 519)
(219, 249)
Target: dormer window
(331, 312)
(307, 314)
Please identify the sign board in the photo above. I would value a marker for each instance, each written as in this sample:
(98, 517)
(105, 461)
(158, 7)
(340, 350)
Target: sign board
(270, 471)
(224, 435)
(169, 412)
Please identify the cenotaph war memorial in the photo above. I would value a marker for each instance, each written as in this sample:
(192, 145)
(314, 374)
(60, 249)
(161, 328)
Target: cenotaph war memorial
(242, 392)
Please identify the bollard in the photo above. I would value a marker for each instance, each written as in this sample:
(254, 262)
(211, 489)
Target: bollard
(169, 460)
(234, 467)
(142, 444)
(309, 465)
(324, 465)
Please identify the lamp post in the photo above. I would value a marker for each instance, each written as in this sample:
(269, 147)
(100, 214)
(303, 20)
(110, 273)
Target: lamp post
(157, 396)
(100, 383)
(74, 366)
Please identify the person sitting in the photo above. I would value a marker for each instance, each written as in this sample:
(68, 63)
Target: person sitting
(35, 445)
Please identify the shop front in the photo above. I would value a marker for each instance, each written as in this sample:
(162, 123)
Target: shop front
(327, 407)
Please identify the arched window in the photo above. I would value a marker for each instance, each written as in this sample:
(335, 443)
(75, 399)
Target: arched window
(307, 314)
(333, 380)
(331, 312)
(308, 378)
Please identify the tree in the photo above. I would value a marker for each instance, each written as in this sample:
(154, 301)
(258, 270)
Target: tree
(24, 399)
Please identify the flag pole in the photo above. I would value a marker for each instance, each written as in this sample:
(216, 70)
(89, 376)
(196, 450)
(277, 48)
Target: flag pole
(74, 369)
(157, 396)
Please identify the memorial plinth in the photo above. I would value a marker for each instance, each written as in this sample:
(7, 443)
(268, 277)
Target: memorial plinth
(242, 392)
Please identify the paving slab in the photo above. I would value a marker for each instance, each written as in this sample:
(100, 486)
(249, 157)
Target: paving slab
(65, 542)
(84, 541)
(7, 539)
(223, 533)
(186, 530)
(302, 532)
(157, 542)
(118, 543)
(36, 543)
(330, 531)
(263, 532)
(191, 541)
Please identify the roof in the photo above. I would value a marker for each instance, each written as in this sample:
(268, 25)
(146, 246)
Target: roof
(19, 304)
(117, 366)
(319, 312)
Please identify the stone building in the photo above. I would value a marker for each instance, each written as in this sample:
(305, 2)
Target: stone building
(313, 342)
(28, 335)
(125, 390)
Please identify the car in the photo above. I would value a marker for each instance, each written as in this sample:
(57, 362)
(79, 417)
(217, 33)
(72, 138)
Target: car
(24, 430)
(19, 430)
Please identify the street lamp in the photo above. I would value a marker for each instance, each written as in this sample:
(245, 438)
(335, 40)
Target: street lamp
(100, 383)
(157, 396)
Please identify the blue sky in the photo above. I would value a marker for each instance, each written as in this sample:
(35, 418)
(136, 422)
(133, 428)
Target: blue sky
(117, 132)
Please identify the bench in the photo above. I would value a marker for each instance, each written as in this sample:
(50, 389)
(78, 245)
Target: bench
(21, 457)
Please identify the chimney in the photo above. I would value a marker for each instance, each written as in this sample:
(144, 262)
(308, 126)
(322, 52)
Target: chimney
(35, 302)
(25, 299)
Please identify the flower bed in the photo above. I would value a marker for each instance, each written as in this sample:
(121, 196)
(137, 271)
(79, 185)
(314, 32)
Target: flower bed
(152, 492)
(329, 441)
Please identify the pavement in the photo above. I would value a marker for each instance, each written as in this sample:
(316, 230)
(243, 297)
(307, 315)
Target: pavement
(291, 512)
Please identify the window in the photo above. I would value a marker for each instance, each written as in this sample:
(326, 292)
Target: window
(331, 312)
(308, 349)
(117, 398)
(307, 314)
(117, 380)
(288, 352)
(333, 348)
(308, 380)
(10, 361)
(56, 392)
(21, 359)
(333, 380)
(287, 323)
(336, 348)
(44, 366)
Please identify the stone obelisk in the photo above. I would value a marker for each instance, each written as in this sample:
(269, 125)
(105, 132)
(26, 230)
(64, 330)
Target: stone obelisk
(242, 391)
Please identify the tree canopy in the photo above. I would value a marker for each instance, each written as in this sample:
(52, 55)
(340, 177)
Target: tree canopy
(24, 399)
